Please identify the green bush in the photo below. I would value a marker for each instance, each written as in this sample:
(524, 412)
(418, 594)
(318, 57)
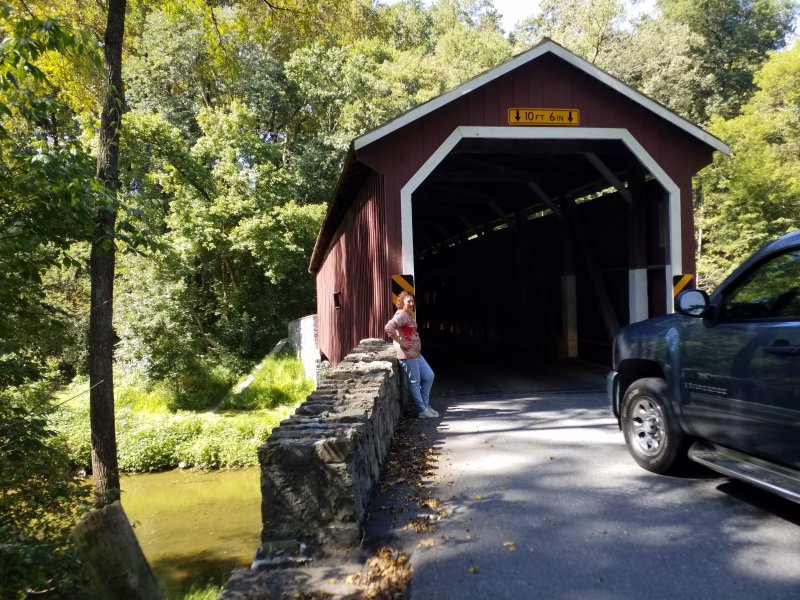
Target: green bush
(151, 437)
(71, 421)
(143, 397)
(200, 386)
(277, 381)
(147, 442)
(231, 441)
(40, 501)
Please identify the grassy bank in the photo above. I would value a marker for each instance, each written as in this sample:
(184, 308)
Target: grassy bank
(154, 435)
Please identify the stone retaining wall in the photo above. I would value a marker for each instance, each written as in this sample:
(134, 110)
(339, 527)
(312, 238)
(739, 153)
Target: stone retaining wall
(319, 467)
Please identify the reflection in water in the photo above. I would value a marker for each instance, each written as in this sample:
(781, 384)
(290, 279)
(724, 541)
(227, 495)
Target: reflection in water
(194, 527)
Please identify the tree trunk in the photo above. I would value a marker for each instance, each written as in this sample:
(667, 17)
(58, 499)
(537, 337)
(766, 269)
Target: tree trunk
(101, 266)
(110, 550)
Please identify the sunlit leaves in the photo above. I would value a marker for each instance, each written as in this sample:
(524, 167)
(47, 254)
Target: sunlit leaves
(738, 36)
(589, 29)
(172, 73)
(463, 53)
(753, 195)
(656, 58)
(47, 188)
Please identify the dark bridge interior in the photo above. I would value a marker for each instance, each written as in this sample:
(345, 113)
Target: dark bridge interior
(500, 227)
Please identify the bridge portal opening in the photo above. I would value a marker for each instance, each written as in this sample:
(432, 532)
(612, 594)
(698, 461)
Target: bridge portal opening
(538, 245)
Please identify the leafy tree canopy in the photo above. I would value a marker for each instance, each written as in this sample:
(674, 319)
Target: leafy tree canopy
(738, 35)
(753, 195)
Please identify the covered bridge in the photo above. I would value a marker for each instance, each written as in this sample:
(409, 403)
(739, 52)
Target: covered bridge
(540, 205)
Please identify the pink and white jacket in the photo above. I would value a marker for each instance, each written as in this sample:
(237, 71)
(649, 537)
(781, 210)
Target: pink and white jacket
(403, 324)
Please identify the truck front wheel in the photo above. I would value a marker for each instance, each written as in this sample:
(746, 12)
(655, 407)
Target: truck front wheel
(652, 434)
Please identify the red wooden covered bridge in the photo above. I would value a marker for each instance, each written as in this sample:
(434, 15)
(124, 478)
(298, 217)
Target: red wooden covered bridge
(540, 205)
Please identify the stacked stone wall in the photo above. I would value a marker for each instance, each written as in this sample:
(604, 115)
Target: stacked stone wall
(319, 467)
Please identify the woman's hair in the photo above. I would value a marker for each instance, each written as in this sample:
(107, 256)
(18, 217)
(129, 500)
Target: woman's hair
(401, 298)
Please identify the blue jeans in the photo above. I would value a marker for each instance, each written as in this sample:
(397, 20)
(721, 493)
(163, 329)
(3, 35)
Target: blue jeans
(420, 379)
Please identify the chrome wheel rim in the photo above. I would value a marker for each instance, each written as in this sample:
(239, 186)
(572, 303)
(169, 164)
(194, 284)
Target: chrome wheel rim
(646, 426)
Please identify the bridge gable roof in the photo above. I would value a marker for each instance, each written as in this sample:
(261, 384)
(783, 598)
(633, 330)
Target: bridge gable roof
(545, 47)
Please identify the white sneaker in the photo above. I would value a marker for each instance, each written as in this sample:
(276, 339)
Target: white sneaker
(432, 411)
(426, 414)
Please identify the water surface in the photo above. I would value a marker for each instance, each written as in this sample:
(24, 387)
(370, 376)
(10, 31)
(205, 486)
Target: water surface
(194, 527)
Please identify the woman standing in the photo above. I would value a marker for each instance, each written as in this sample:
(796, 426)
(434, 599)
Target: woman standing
(402, 328)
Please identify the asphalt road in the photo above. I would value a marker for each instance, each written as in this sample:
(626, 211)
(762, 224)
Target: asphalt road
(540, 499)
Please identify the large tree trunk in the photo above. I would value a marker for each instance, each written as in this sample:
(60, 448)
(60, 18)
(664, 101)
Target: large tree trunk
(101, 265)
(109, 548)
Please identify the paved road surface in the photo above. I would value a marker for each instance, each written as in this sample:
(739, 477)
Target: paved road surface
(542, 500)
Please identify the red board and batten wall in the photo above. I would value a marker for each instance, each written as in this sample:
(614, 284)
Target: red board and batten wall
(355, 275)
(366, 248)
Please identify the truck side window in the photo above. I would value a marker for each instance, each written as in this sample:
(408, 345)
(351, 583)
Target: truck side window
(771, 291)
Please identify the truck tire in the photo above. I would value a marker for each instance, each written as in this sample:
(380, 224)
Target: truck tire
(651, 431)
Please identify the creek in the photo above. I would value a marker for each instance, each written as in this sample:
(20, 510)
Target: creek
(194, 527)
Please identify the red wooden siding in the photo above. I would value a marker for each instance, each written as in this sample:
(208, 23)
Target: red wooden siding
(355, 268)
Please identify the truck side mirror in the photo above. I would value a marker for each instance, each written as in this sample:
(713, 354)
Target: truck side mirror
(692, 303)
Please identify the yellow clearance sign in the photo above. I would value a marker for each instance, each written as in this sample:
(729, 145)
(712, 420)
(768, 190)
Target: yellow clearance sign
(551, 117)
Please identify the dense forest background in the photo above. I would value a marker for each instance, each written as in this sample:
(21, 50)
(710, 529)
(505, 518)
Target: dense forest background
(237, 116)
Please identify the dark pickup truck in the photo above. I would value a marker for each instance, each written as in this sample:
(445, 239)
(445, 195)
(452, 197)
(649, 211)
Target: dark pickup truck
(718, 382)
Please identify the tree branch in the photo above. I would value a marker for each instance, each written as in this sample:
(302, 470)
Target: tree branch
(275, 8)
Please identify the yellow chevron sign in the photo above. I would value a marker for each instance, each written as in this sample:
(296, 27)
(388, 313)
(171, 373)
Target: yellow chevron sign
(400, 284)
(679, 283)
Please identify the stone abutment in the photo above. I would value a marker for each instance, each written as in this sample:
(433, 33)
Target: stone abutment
(319, 467)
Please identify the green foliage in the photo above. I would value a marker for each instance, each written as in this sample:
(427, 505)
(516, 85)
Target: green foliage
(200, 592)
(409, 26)
(653, 54)
(140, 394)
(155, 442)
(152, 436)
(277, 380)
(657, 58)
(463, 53)
(471, 14)
(48, 191)
(339, 86)
(40, 500)
(753, 195)
(589, 29)
(738, 36)
(232, 267)
(696, 58)
(173, 73)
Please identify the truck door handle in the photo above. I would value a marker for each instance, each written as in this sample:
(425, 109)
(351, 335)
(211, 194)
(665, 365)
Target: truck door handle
(782, 348)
